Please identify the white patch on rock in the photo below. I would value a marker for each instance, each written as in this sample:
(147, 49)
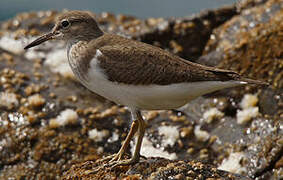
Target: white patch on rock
(200, 134)
(36, 100)
(10, 44)
(170, 135)
(249, 100)
(148, 150)
(244, 116)
(68, 116)
(8, 100)
(212, 114)
(32, 54)
(249, 109)
(57, 62)
(113, 138)
(98, 136)
(232, 163)
(100, 150)
(163, 25)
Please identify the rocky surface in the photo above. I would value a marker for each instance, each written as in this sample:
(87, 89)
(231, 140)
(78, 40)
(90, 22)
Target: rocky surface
(51, 127)
(152, 168)
(250, 44)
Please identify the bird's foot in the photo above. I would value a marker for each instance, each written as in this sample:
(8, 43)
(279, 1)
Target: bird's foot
(107, 158)
(116, 157)
(113, 162)
(126, 162)
(101, 164)
(116, 160)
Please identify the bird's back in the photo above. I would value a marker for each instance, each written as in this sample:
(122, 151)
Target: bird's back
(132, 62)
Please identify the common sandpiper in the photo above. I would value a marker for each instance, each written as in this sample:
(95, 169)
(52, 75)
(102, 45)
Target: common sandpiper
(131, 73)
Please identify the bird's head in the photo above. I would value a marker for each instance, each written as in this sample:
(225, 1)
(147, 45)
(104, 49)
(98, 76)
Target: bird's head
(72, 25)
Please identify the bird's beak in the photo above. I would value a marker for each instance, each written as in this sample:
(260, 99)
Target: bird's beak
(42, 39)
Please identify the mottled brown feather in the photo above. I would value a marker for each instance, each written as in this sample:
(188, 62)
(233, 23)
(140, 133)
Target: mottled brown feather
(132, 62)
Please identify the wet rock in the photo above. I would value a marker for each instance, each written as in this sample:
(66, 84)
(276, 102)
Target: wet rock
(247, 4)
(249, 43)
(263, 147)
(27, 144)
(187, 37)
(245, 44)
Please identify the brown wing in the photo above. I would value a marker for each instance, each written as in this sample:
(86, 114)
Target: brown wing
(131, 62)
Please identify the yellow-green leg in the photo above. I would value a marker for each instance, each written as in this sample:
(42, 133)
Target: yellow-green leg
(141, 130)
(133, 130)
(138, 126)
(118, 156)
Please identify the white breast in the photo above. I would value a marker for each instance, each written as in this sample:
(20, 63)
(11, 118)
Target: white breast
(149, 97)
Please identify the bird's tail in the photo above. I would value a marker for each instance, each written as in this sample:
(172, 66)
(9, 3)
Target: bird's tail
(252, 81)
(232, 75)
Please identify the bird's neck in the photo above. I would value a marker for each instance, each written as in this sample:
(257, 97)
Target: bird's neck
(88, 35)
(74, 45)
(76, 58)
(71, 42)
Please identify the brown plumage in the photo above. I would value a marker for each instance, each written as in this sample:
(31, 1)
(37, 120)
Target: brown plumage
(133, 73)
(132, 62)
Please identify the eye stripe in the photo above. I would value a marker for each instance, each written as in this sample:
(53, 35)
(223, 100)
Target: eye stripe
(77, 20)
(70, 21)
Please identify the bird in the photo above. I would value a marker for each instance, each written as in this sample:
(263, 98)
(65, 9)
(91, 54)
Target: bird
(137, 75)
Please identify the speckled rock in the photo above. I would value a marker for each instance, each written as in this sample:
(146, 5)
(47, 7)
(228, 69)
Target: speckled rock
(250, 44)
(187, 37)
(152, 169)
(246, 4)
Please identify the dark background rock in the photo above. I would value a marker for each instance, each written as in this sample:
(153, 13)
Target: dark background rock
(251, 43)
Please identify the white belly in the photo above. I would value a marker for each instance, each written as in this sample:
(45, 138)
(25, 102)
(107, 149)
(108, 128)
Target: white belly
(155, 97)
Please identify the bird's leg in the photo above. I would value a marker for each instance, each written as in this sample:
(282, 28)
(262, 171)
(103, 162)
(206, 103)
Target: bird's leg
(138, 126)
(133, 130)
(141, 130)
(118, 156)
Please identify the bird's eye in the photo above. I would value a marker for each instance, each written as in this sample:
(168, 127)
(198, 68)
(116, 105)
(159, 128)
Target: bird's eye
(65, 23)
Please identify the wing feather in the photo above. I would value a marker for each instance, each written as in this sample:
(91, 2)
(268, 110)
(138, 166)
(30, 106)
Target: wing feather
(132, 62)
